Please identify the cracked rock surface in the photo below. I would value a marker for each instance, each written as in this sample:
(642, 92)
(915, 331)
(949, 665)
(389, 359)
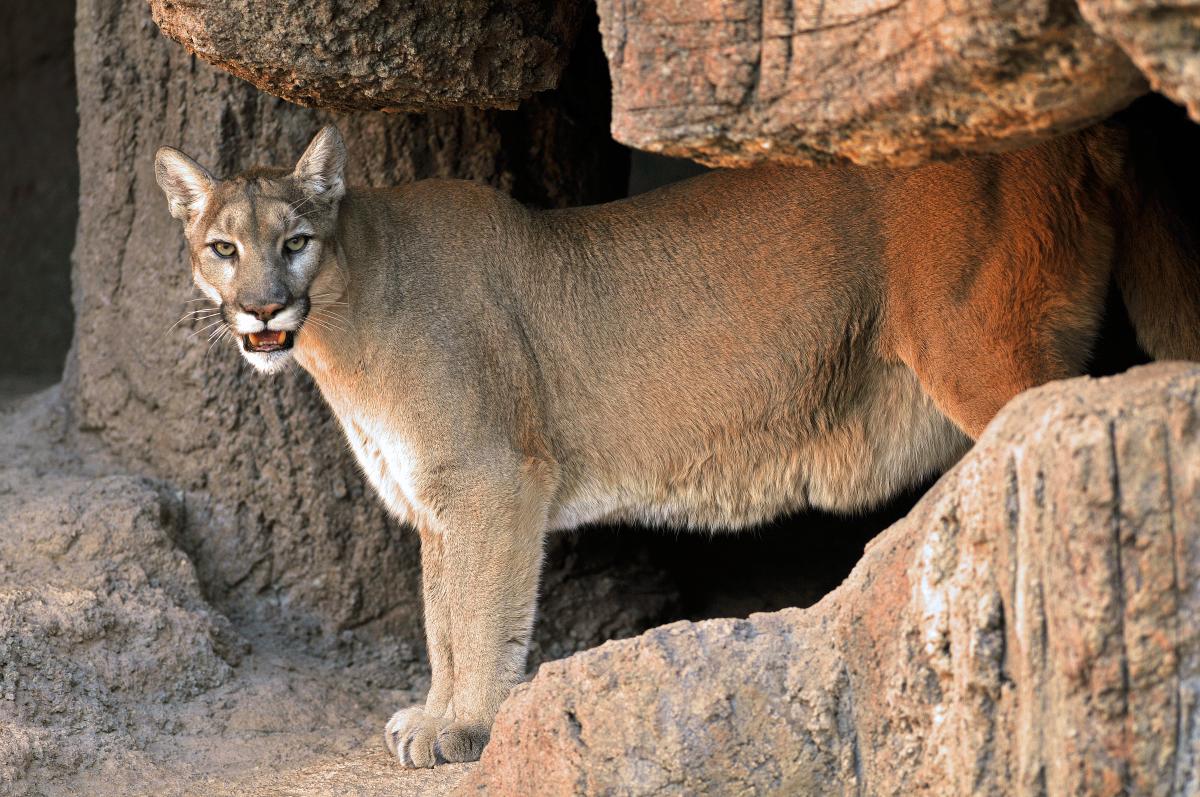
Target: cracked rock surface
(1031, 627)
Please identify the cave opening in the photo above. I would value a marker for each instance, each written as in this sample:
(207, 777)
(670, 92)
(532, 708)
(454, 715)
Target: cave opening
(40, 191)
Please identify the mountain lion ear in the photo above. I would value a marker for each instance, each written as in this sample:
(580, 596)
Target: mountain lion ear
(186, 183)
(320, 169)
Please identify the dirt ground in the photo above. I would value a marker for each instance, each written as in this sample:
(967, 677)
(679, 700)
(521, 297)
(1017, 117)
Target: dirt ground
(118, 677)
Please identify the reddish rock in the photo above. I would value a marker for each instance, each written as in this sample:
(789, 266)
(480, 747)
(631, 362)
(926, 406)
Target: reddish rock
(880, 82)
(390, 55)
(1161, 36)
(1032, 627)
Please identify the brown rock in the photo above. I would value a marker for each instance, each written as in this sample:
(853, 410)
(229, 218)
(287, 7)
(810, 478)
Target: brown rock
(1161, 36)
(883, 82)
(1032, 627)
(391, 55)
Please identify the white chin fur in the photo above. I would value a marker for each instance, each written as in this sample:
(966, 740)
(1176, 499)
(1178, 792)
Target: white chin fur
(268, 362)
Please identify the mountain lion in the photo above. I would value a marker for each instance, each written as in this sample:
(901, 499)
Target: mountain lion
(708, 355)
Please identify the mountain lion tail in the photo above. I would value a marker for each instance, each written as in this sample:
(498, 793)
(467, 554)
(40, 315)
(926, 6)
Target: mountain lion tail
(1157, 266)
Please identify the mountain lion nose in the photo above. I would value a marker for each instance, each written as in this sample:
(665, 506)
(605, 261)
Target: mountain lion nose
(262, 312)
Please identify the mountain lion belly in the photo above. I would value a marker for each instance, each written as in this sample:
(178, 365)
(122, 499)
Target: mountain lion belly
(753, 472)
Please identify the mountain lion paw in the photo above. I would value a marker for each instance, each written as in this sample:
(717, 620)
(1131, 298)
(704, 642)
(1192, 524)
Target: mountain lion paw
(458, 742)
(411, 735)
(419, 740)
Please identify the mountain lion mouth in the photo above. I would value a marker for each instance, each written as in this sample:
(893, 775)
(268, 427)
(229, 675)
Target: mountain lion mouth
(268, 340)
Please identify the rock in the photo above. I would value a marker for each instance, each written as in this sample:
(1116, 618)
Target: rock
(391, 56)
(1032, 627)
(278, 520)
(102, 624)
(1161, 36)
(882, 82)
(116, 675)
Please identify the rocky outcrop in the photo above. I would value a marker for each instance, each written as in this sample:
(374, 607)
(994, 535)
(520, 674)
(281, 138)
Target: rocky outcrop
(389, 56)
(97, 604)
(801, 81)
(1161, 36)
(1032, 627)
(882, 82)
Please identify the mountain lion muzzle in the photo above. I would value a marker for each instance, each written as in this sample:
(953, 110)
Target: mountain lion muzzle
(708, 355)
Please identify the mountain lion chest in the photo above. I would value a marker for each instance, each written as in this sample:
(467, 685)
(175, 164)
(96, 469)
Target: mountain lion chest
(387, 460)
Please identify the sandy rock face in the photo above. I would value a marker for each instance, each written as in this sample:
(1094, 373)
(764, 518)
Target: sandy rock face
(880, 82)
(1161, 36)
(1032, 627)
(390, 56)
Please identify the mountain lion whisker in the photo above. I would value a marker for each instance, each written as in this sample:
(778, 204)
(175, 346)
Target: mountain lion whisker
(206, 327)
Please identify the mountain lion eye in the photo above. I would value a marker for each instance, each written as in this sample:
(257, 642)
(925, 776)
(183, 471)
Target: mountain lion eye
(223, 248)
(296, 243)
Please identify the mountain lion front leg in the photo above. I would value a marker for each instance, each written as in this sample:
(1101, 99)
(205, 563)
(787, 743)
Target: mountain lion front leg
(411, 733)
(481, 560)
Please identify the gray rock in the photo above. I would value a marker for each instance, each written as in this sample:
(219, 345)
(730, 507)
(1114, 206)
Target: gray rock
(102, 622)
(116, 675)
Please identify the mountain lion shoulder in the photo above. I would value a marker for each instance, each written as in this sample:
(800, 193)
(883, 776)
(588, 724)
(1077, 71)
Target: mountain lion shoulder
(708, 355)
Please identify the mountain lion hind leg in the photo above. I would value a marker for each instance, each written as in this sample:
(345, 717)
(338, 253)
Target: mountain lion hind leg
(481, 558)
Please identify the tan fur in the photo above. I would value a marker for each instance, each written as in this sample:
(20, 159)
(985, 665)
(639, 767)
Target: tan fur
(708, 355)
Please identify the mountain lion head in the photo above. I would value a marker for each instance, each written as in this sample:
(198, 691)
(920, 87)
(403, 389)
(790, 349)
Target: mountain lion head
(261, 244)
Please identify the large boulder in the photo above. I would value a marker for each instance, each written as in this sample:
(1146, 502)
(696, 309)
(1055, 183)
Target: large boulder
(102, 623)
(879, 82)
(389, 56)
(116, 675)
(1032, 627)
